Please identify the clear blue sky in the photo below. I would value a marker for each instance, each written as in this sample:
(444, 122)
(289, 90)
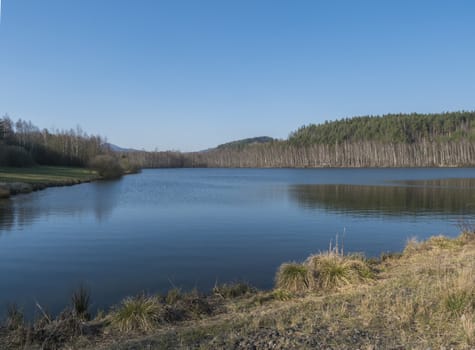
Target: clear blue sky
(188, 75)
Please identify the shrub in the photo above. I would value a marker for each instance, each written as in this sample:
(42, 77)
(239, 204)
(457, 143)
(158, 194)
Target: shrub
(293, 277)
(107, 166)
(141, 313)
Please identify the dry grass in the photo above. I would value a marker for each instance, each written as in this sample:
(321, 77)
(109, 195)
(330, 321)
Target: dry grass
(293, 277)
(422, 299)
(233, 290)
(141, 313)
(333, 270)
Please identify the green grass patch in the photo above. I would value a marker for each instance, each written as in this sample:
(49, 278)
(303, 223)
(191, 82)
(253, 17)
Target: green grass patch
(46, 174)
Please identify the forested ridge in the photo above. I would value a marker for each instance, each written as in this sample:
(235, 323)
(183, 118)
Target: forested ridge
(391, 128)
(393, 140)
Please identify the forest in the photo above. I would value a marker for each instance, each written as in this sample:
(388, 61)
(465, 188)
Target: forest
(23, 144)
(393, 140)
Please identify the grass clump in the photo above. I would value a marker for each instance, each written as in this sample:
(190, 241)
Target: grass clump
(15, 318)
(81, 301)
(333, 269)
(173, 296)
(457, 302)
(293, 277)
(434, 243)
(141, 313)
(275, 295)
(233, 290)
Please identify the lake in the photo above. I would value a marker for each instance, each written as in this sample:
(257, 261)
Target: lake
(196, 227)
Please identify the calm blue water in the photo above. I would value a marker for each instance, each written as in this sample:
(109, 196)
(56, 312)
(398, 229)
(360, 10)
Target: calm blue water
(193, 227)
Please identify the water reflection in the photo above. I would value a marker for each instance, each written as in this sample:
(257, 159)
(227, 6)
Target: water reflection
(7, 216)
(98, 199)
(105, 199)
(428, 197)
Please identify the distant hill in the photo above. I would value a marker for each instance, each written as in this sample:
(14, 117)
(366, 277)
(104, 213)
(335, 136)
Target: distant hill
(238, 144)
(118, 149)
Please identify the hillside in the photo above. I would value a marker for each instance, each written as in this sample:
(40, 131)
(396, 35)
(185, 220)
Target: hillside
(239, 144)
(390, 128)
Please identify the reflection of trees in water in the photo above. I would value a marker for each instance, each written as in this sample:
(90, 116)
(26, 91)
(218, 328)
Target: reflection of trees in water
(451, 196)
(448, 183)
(105, 198)
(17, 213)
(7, 217)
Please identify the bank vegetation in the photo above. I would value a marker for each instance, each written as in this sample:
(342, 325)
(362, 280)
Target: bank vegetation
(421, 298)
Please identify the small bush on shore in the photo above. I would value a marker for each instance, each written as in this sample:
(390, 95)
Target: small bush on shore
(293, 277)
(107, 166)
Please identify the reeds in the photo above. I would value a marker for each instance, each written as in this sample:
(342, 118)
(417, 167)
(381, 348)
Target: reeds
(81, 301)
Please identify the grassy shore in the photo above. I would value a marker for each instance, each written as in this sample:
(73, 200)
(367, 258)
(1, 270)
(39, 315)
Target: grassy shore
(421, 298)
(24, 180)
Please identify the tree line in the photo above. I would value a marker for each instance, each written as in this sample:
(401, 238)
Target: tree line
(395, 140)
(23, 144)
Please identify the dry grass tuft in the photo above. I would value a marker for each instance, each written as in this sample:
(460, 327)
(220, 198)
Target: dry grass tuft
(293, 277)
(233, 290)
(141, 313)
(333, 269)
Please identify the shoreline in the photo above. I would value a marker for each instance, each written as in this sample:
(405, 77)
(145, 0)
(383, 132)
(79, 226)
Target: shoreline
(15, 188)
(330, 300)
(14, 181)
